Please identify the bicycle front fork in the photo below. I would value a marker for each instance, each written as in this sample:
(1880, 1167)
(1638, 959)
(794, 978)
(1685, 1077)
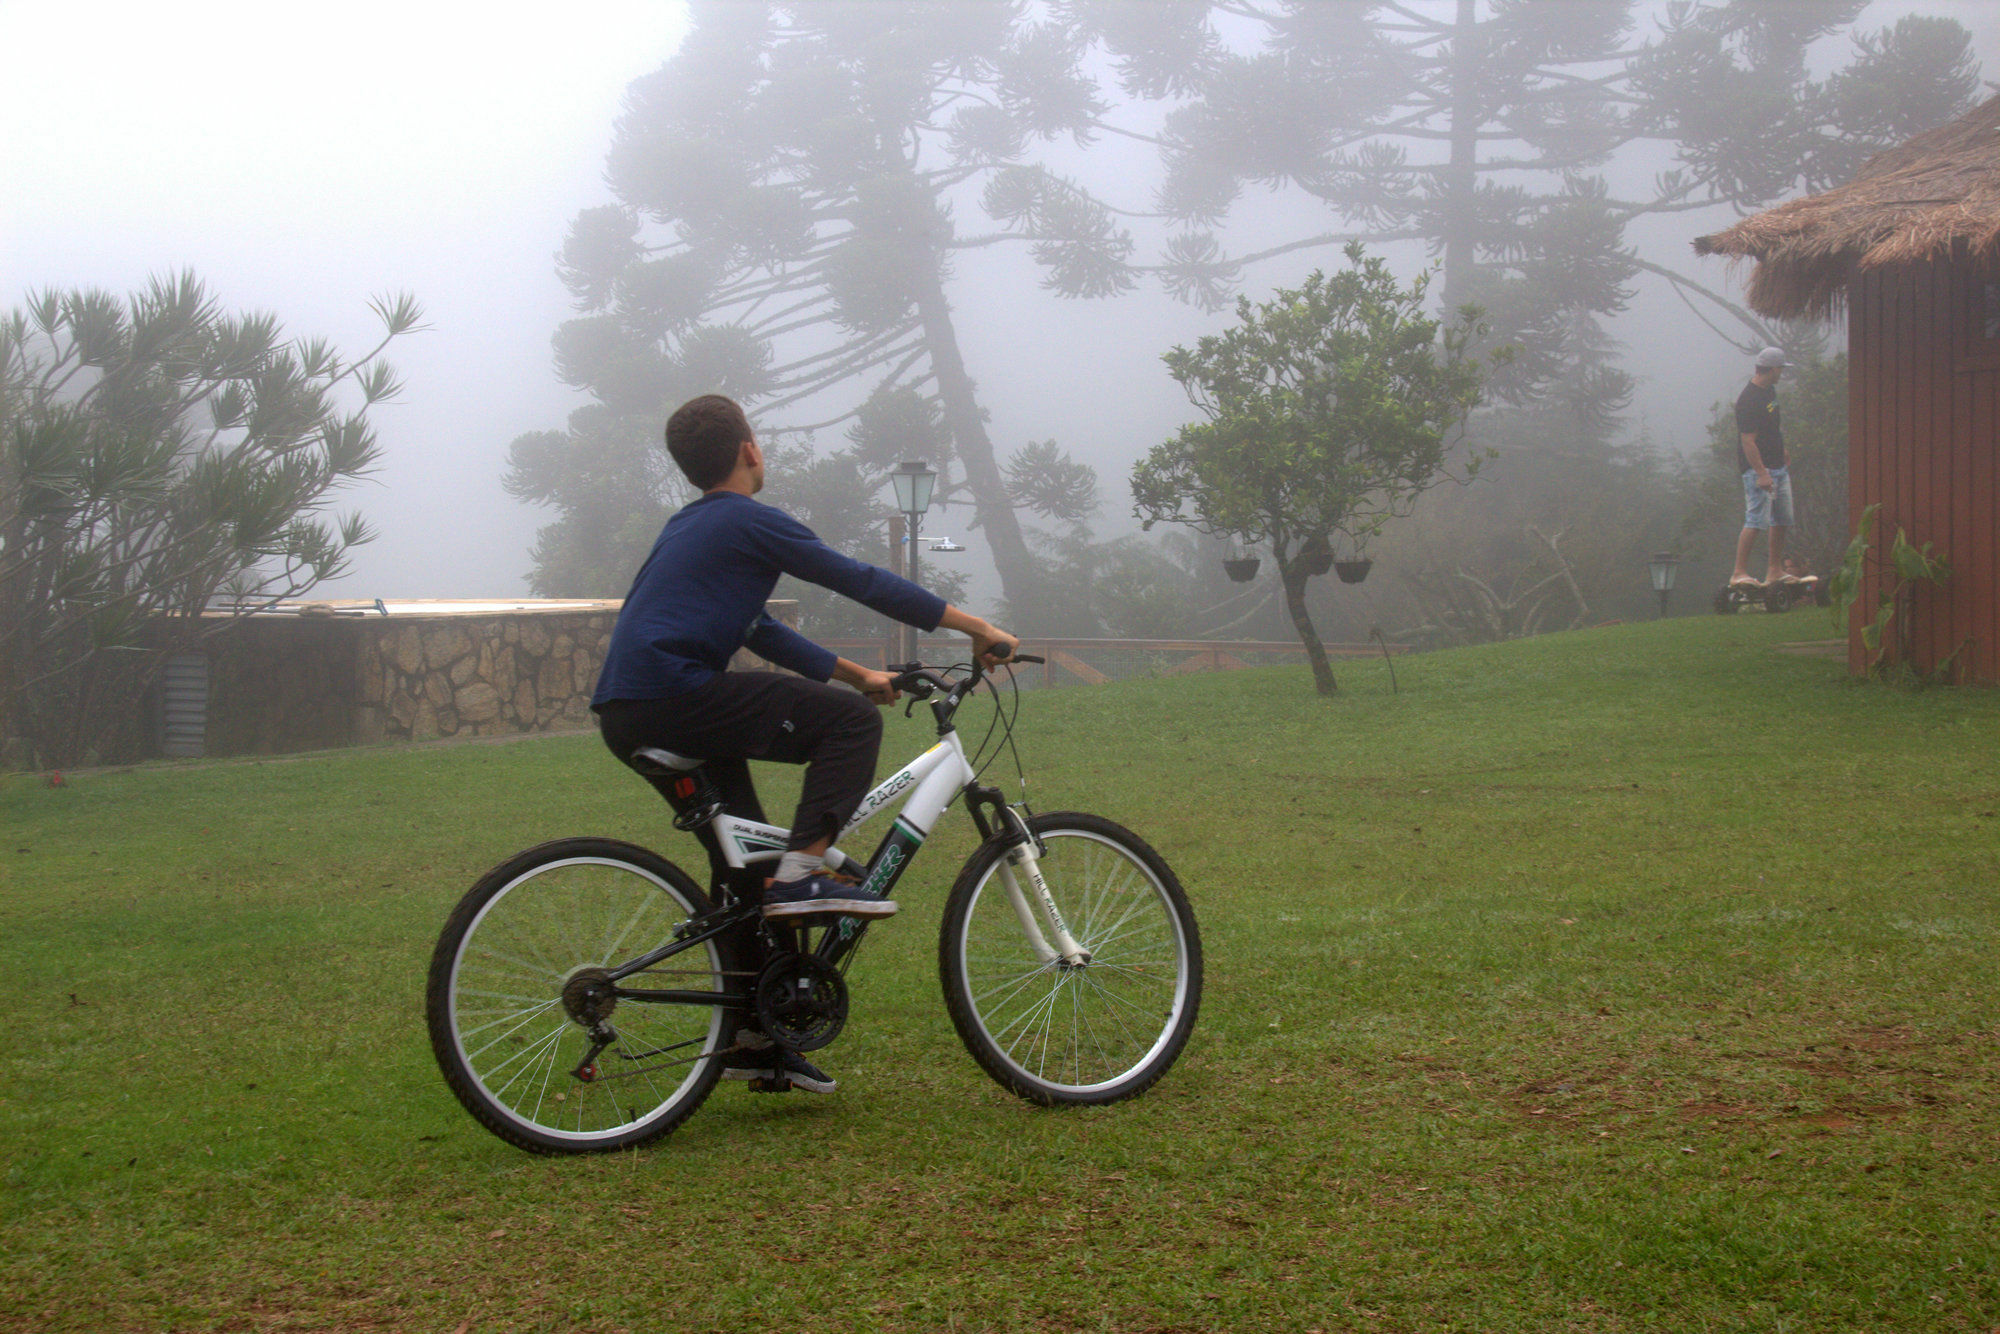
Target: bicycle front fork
(1021, 863)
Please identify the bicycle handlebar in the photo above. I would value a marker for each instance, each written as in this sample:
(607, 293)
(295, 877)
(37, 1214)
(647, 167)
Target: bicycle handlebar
(914, 678)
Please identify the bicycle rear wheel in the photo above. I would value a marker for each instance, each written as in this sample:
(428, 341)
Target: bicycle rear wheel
(1056, 1033)
(514, 988)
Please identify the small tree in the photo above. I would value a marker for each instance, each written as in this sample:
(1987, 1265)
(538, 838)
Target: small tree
(156, 452)
(1330, 409)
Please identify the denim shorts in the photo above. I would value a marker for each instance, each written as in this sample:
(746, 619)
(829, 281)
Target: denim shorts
(1767, 509)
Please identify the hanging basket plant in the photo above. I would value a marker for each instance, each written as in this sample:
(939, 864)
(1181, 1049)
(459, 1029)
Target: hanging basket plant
(1352, 571)
(1242, 569)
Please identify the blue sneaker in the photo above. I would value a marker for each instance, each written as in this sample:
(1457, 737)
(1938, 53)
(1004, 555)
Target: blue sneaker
(823, 895)
(773, 1070)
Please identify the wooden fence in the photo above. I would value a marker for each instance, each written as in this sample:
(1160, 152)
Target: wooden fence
(1095, 661)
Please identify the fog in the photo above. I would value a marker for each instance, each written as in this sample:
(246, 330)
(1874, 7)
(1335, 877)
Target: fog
(302, 166)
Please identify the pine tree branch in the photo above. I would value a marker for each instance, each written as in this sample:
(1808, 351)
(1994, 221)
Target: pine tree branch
(1682, 285)
(1419, 22)
(890, 381)
(766, 329)
(1310, 242)
(1136, 135)
(854, 363)
(865, 348)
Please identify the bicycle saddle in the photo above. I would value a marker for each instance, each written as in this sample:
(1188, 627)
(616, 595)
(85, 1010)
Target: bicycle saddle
(653, 760)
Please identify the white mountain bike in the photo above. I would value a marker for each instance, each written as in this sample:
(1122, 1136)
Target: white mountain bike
(586, 994)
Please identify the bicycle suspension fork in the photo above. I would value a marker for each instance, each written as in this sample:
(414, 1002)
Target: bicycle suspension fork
(1021, 861)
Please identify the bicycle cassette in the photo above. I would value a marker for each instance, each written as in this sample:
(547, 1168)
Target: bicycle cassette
(801, 1001)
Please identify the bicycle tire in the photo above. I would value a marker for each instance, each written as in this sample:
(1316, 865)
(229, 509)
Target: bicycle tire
(1060, 1035)
(498, 1023)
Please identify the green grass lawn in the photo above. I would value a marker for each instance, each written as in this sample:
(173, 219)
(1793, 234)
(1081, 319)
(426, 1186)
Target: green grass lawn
(1640, 978)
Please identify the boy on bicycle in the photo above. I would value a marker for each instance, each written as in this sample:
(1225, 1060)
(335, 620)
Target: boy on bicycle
(698, 598)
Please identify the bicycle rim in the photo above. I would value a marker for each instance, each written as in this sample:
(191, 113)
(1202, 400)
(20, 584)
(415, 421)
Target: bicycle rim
(509, 1043)
(1056, 1033)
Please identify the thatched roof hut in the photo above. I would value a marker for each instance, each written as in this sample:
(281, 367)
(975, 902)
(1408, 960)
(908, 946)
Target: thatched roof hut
(1935, 198)
(1911, 249)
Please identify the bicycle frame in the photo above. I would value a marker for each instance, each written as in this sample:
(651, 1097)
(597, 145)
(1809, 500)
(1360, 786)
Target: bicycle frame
(933, 780)
(937, 776)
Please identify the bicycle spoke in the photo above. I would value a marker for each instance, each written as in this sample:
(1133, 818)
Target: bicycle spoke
(1112, 933)
(615, 947)
(1118, 1018)
(1044, 1005)
(530, 1056)
(539, 972)
(526, 1019)
(1104, 1056)
(1026, 979)
(548, 1067)
(498, 995)
(1135, 974)
(537, 939)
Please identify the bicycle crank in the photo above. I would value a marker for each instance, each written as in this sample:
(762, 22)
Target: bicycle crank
(801, 1001)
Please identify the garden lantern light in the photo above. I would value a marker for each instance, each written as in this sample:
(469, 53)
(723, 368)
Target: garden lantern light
(1662, 568)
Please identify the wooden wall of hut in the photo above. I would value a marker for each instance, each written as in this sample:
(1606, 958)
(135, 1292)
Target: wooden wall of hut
(1924, 423)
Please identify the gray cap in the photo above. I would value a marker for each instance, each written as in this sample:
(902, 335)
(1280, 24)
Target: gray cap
(1770, 357)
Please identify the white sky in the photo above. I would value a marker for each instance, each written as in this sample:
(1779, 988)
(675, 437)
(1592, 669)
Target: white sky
(302, 159)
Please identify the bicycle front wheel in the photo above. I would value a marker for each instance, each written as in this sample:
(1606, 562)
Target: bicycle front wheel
(517, 987)
(1055, 1032)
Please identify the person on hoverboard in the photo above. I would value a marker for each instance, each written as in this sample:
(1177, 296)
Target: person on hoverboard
(1767, 481)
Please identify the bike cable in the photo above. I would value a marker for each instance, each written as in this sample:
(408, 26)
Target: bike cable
(978, 764)
(1004, 720)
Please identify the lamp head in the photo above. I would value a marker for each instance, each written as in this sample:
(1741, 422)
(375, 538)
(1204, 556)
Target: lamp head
(913, 482)
(1662, 568)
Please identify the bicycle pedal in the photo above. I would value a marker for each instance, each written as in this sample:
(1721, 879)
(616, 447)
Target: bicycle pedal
(777, 1085)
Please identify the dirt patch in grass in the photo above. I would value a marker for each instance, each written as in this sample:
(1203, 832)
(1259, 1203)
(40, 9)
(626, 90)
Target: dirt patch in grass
(1883, 1037)
(1696, 1109)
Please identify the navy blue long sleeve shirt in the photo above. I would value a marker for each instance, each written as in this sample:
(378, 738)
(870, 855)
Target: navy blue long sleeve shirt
(700, 596)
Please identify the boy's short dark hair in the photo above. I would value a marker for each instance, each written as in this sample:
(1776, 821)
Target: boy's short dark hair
(705, 436)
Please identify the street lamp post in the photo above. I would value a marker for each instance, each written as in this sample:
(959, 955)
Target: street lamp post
(913, 482)
(1662, 568)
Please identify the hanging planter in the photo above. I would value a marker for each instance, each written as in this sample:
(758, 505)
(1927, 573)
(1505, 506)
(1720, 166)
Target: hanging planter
(1241, 570)
(1352, 571)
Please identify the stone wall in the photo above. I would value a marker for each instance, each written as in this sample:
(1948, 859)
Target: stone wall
(477, 675)
(314, 682)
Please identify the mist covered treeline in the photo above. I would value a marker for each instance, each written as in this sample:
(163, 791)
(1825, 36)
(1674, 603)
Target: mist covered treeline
(794, 191)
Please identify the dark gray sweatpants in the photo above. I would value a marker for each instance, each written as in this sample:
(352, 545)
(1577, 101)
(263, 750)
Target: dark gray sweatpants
(740, 716)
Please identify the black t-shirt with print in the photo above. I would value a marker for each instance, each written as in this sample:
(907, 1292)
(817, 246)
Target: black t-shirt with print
(1757, 414)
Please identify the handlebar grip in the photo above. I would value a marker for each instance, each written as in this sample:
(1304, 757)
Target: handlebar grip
(1027, 657)
(913, 678)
